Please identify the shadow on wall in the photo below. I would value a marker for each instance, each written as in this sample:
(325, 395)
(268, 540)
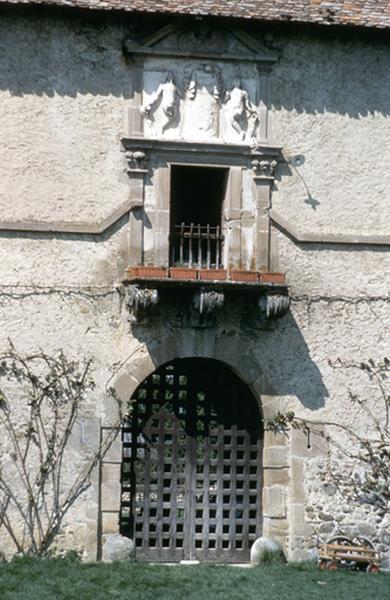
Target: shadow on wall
(331, 71)
(280, 356)
(57, 53)
(288, 365)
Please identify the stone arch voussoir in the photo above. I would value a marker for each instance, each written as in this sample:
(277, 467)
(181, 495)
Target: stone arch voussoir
(200, 343)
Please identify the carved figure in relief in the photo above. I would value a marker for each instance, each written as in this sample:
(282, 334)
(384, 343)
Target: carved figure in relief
(167, 97)
(242, 113)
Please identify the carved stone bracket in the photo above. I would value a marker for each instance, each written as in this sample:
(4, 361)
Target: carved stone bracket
(207, 302)
(199, 304)
(141, 301)
(137, 161)
(264, 168)
(273, 306)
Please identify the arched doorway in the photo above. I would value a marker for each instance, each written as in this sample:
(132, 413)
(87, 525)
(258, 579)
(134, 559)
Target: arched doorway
(191, 470)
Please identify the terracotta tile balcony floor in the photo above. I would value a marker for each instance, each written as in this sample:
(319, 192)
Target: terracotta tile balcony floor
(220, 278)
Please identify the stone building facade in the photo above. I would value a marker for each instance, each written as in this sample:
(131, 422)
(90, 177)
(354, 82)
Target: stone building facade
(122, 134)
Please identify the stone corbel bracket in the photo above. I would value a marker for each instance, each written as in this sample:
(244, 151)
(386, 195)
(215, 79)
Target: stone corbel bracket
(264, 168)
(141, 302)
(137, 161)
(206, 302)
(273, 306)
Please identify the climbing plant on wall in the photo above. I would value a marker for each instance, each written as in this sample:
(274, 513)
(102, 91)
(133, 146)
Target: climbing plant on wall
(363, 474)
(42, 398)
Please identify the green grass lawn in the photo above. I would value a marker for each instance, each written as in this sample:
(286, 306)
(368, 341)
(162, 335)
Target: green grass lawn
(65, 580)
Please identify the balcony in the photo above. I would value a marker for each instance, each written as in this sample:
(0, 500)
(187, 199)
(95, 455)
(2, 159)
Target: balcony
(204, 291)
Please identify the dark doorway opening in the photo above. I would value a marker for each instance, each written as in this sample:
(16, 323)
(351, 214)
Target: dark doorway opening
(197, 195)
(191, 470)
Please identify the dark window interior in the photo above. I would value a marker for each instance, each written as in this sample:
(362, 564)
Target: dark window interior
(197, 195)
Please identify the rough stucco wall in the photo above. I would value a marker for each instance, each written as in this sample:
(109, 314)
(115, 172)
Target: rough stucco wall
(62, 113)
(330, 104)
(46, 260)
(63, 92)
(334, 270)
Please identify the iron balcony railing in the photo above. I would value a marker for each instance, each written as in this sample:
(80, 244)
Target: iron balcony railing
(197, 245)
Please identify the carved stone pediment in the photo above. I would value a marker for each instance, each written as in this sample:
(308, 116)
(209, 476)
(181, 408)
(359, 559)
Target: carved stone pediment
(199, 40)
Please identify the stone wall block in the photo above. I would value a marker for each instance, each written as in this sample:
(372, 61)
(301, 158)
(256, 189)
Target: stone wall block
(90, 541)
(271, 405)
(141, 365)
(163, 352)
(296, 517)
(272, 438)
(274, 501)
(276, 477)
(114, 454)
(110, 522)
(228, 349)
(161, 248)
(249, 369)
(163, 221)
(297, 491)
(276, 528)
(111, 487)
(124, 385)
(275, 457)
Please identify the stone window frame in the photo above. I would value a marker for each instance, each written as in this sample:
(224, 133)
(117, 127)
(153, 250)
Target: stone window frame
(150, 163)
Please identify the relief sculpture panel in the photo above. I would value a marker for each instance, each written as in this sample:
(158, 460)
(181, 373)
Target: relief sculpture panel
(195, 104)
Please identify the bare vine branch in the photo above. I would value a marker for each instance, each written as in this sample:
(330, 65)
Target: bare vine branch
(365, 478)
(41, 398)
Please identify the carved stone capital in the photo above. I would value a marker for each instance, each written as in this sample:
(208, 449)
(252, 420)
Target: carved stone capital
(207, 302)
(137, 161)
(264, 168)
(273, 306)
(141, 301)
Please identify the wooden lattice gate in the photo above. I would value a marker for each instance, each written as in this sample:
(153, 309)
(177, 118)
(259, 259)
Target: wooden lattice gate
(191, 467)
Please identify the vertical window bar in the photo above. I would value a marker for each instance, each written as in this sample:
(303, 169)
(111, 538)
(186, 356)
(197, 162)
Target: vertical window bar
(217, 242)
(181, 241)
(208, 247)
(199, 247)
(190, 243)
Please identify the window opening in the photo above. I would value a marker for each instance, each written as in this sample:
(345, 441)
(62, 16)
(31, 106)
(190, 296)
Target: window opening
(196, 233)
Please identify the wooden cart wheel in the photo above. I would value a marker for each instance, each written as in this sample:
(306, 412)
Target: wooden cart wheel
(340, 539)
(373, 568)
(343, 541)
(363, 541)
(322, 563)
(332, 565)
